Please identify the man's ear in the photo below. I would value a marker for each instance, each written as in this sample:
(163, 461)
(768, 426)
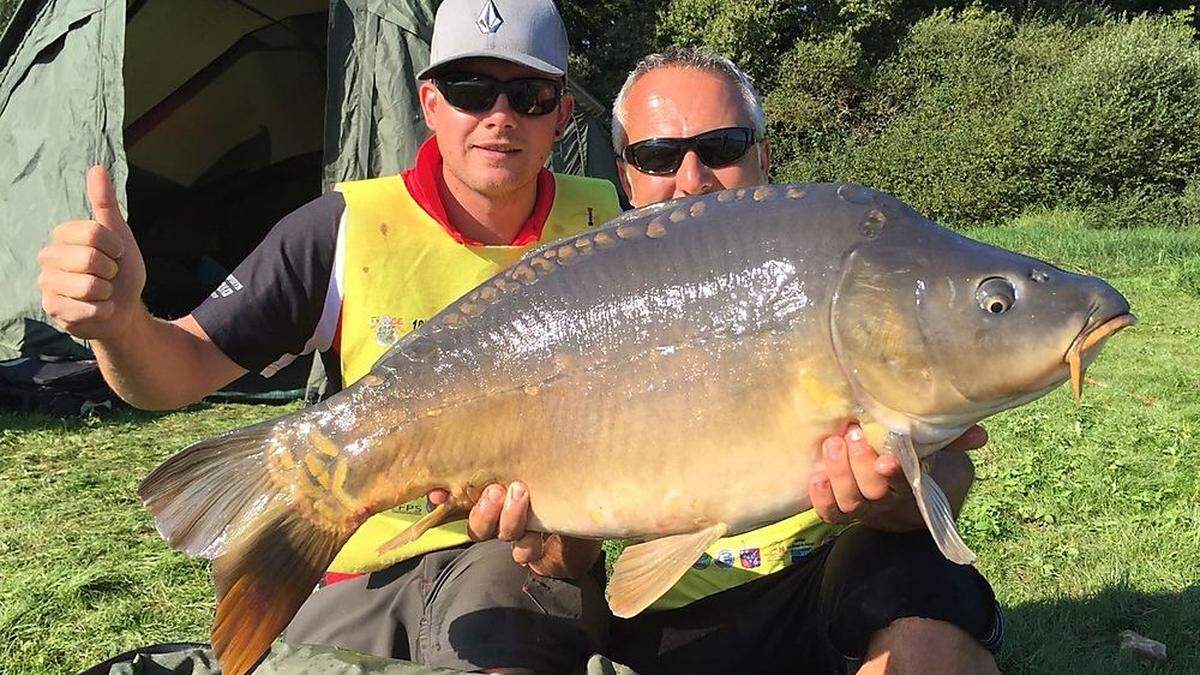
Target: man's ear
(764, 159)
(428, 94)
(566, 108)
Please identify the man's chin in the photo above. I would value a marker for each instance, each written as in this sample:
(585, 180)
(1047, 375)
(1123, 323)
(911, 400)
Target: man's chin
(500, 181)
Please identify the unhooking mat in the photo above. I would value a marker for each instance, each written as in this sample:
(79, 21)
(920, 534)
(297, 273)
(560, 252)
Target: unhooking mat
(284, 659)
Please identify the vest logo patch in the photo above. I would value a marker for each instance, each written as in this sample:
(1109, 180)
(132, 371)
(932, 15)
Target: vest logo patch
(799, 550)
(387, 329)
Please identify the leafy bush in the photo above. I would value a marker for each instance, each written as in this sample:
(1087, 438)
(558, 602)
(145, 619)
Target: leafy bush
(977, 117)
(819, 88)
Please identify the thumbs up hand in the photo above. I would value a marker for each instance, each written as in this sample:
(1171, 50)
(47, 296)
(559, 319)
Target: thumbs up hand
(92, 273)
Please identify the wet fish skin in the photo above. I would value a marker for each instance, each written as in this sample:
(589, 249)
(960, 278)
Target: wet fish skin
(692, 354)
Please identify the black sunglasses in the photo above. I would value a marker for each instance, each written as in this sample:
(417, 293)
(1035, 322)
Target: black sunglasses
(716, 148)
(530, 96)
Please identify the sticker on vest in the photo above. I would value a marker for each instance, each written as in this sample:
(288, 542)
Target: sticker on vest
(799, 550)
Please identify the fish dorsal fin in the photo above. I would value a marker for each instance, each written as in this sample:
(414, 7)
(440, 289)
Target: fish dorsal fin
(645, 571)
(931, 501)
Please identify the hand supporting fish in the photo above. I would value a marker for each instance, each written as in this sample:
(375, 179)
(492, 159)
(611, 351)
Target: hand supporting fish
(503, 513)
(858, 484)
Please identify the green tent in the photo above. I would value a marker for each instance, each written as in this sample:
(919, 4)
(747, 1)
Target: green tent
(217, 117)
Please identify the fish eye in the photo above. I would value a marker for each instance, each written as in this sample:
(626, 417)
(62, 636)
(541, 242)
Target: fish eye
(996, 295)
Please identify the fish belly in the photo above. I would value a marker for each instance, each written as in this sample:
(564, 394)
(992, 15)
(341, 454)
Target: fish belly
(664, 443)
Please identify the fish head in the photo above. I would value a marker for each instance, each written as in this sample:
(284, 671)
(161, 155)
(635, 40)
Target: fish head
(946, 330)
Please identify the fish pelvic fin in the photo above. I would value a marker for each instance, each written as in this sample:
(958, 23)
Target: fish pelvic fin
(931, 501)
(440, 515)
(647, 570)
(262, 580)
(220, 500)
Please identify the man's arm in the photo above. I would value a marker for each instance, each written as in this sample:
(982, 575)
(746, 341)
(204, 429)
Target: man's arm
(92, 277)
(159, 365)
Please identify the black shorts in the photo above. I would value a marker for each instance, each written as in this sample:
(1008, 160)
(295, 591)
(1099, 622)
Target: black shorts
(815, 616)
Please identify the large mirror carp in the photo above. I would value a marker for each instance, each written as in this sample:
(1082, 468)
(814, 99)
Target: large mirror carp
(666, 379)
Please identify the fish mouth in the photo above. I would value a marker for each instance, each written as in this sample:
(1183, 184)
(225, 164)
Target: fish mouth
(1087, 339)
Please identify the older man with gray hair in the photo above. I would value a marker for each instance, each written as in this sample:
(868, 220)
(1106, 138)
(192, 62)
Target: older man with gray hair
(856, 582)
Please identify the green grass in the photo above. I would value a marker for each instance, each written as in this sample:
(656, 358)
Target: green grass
(1086, 520)
(83, 575)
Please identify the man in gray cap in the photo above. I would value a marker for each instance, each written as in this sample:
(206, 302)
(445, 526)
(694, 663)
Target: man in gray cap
(348, 275)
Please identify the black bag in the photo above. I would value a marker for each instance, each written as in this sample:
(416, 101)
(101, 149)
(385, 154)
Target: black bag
(54, 386)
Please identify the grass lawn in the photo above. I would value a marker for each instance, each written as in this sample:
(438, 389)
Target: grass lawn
(1087, 520)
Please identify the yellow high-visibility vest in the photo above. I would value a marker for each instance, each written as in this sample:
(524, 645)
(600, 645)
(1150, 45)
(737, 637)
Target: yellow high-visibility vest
(401, 267)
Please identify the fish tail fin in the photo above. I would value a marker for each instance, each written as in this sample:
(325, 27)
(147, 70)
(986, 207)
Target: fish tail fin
(217, 499)
(931, 501)
(208, 491)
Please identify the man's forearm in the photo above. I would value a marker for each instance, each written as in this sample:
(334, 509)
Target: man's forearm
(159, 365)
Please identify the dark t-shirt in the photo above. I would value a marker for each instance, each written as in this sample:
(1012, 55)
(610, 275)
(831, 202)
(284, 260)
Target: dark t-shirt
(285, 298)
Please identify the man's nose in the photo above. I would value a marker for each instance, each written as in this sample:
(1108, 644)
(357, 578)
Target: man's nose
(501, 113)
(693, 177)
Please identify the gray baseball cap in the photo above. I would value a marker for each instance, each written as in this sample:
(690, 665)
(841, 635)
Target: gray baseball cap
(528, 32)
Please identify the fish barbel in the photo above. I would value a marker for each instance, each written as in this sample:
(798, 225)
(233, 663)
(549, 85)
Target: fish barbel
(666, 378)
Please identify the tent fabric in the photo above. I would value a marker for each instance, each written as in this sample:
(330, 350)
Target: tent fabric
(61, 106)
(216, 118)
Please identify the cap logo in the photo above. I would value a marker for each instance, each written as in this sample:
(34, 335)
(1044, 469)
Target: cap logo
(489, 19)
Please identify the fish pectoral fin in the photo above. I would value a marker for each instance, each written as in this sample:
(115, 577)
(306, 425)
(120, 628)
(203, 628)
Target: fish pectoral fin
(440, 515)
(931, 501)
(647, 570)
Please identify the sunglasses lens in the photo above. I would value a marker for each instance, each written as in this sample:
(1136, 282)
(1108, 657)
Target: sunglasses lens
(718, 148)
(655, 156)
(470, 95)
(533, 97)
(478, 94)
(722, 147)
